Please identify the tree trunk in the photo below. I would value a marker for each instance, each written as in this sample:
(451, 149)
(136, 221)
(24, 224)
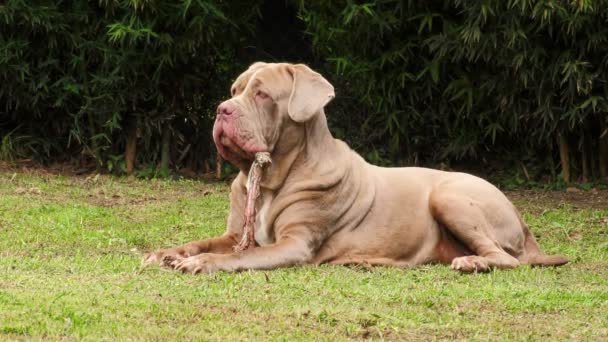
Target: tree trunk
(552, 168)
(585, 156)
(93, 140)
(564, 156)
(165, 154)
(593, 164)
(218, 166)
(131, 149)
(525, 170)
(585, 165)
(183, 155)
(603, 149)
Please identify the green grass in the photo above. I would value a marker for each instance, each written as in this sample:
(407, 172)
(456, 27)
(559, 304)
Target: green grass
(70, 256)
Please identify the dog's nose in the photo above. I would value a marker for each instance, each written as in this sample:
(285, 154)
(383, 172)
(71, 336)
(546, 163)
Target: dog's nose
(225, 108)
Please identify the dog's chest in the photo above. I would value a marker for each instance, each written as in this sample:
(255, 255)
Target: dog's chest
(264, 235)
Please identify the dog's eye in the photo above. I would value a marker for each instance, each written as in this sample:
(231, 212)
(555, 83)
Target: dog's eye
(261, 95)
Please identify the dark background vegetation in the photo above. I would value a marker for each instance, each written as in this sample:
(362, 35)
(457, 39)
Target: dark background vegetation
(131, 86)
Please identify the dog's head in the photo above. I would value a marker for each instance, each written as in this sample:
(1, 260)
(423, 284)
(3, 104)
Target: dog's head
(268, 101)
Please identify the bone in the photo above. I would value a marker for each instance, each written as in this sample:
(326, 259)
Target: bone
(262, 159)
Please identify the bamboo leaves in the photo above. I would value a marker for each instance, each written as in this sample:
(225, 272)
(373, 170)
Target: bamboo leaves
(487, 73)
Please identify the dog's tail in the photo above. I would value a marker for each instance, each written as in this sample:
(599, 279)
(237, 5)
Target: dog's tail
(533, 255)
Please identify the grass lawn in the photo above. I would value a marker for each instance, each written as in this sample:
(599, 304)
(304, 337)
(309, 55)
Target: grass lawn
(71, 248)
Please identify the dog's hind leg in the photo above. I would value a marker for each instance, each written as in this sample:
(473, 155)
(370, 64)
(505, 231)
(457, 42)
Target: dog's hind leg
(468, 223)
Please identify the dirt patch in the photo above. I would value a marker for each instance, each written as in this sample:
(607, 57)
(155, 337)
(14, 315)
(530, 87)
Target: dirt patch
(101, 198)
(29, 166)
(70, 169)
(102, 190)
(538, 201)
(84, 177)
(116, 198)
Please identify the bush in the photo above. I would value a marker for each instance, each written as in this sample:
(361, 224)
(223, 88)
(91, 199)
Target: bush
(449, 80)
(115, 82)
(134, 82)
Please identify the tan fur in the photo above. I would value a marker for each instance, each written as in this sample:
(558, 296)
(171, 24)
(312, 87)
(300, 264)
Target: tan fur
(322, 203)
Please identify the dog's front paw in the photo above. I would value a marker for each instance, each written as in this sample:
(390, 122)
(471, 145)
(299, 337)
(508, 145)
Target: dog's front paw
(152, 258)
(165, 258)
(202, 263)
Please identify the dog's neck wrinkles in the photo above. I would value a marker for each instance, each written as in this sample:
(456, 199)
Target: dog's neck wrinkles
(319, 164)
(313, 150)
(314, 141)
(318, 136)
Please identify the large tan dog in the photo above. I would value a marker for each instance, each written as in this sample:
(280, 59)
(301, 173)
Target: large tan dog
(321, 202)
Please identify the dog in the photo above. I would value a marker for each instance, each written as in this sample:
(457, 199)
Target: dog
(321, 202)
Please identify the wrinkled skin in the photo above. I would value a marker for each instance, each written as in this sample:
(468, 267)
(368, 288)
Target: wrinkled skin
(322, 203)
(250, 121)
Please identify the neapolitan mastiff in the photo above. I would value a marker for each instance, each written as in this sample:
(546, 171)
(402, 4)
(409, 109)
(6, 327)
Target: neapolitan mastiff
(322, 203)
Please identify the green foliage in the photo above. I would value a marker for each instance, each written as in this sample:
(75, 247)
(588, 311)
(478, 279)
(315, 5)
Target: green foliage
(14, 146)
(81, 74)
(418, 82)
(447, 80)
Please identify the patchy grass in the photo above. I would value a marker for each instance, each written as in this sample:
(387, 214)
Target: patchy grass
(70, 254)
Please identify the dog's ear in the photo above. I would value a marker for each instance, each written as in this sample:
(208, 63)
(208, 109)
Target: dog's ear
(310, 92)
(257, 65)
